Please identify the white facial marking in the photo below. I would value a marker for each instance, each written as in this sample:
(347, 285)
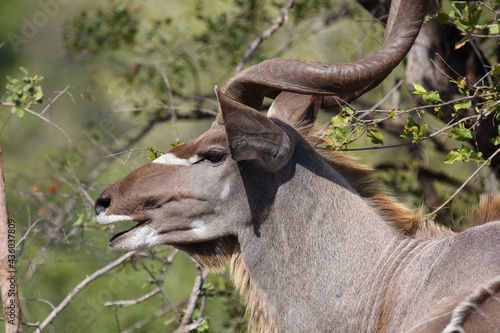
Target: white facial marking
(108, 219)
(199, 227)
(225, 191)
(142, 237)
(171, 159)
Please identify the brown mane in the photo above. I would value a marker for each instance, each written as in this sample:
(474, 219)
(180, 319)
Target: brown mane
(488, 210)
(403, 219)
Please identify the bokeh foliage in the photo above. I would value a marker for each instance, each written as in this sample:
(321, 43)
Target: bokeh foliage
(151, 70)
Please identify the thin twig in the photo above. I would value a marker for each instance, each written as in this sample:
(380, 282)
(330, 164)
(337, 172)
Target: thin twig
(144, 322)
(171, 100)
(466, 182)
(54, 99)
(277, 23)
(79, 288)
(131, 151)
(26, 233)
(41, 117)
(160, 286)
(134, 301)
(194, 110)
(392, 91)
(378, 147)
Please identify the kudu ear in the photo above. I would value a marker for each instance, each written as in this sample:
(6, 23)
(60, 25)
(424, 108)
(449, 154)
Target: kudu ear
(253, 136)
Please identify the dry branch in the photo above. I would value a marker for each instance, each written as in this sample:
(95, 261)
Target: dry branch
(79, 288)
(187, 324)
(146, 321)
(277, 23)
(467, 181)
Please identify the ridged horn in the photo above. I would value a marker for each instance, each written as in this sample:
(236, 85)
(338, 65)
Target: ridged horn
(345, 81)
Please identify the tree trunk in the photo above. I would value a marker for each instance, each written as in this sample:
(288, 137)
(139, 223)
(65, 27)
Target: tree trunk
(10, 297)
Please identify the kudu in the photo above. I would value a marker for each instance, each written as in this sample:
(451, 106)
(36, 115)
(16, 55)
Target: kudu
(313, 243)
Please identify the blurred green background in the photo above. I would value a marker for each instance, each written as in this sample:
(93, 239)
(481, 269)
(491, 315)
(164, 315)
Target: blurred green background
(111, 59)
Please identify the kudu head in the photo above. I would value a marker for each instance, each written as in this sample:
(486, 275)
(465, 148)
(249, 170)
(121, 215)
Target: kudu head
(196, 196)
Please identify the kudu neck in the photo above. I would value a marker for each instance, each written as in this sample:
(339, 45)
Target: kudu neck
(320, 243)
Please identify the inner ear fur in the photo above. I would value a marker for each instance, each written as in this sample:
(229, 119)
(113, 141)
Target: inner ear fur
(253, 136)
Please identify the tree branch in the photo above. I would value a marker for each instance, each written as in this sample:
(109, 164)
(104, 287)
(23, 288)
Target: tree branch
(277, 23)
(134, 301)
(79, 288)
(186, 324)
(467, 181)
(8, 280)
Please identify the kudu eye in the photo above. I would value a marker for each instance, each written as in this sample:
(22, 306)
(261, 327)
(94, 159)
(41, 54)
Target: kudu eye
(214, 156)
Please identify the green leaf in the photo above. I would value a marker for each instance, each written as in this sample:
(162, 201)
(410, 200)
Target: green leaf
(419, 90)
(458, 7)
(17, 110)
(339, 121)
(462, 153)
(462, 134)
(496, 70)
(496, 140)
(414, 131)
(12, 81)
(439, 112)
(463, 24)
(78, 220)
(27, 87)
(452, 157)
(442, 17)
(429, 216)
(24, 70)
(494, 30)
(392, 114)
(462, 105)
(154, 154)
(175, 144)
(462, 41)
(475, 15)
(375, 136)
(432, 97)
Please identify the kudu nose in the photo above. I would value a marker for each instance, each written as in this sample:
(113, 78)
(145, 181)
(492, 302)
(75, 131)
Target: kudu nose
(102, 203)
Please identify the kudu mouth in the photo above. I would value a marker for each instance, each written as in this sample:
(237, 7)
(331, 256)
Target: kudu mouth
(121, 233)
(103, 219)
